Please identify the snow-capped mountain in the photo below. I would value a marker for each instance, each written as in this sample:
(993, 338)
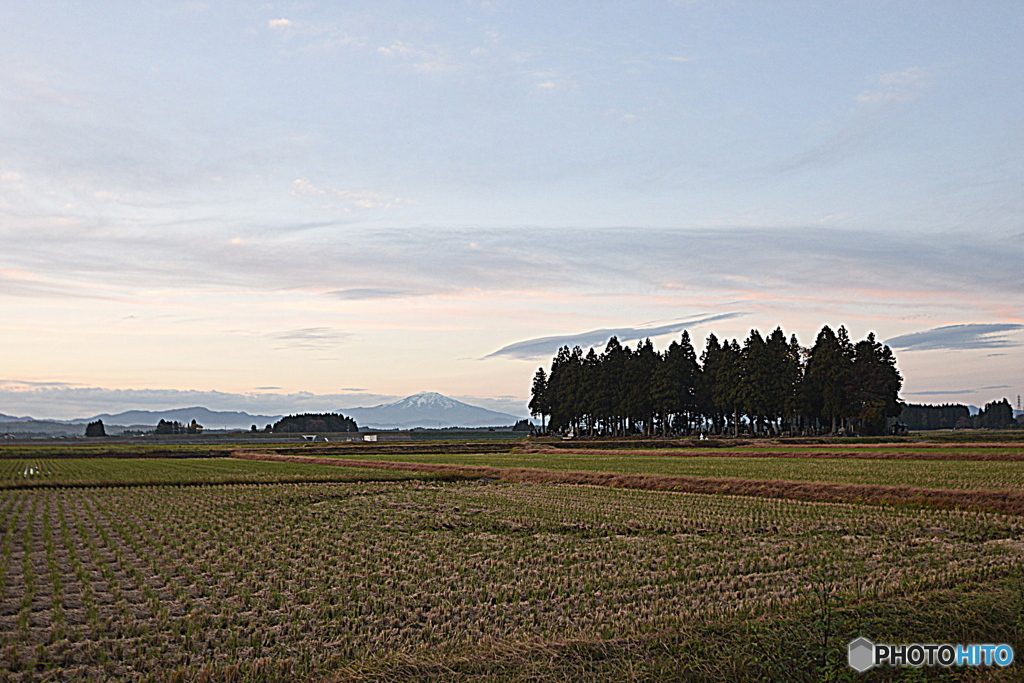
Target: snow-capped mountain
(430, 410)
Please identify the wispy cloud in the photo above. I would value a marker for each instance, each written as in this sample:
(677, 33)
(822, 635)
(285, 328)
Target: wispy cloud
(361, 293)
(425, 59)
(897, 86)
(346, 199)
(312, 37)
(544, 347)
(955, 392)
(866, 130)
(311, 338)
(278, 255)
(958, 338)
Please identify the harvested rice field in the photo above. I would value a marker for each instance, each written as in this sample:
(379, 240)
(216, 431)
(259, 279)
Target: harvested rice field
(465, 580)
(940, 474)
(48, 472)
(499, 566)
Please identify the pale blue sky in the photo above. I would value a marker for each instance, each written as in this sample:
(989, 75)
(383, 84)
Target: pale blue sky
(321, 197)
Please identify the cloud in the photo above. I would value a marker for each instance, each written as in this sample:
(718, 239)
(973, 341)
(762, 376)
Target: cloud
(513, 405)
(347, 200)
(898, 86)
(23, 385)
(866, 131)
(311, 37)
(311, 337)
(954, 392)
(544, 347)
(958, 338)
(398, 49)
(345, 258)
(361, 293)
(424, 60)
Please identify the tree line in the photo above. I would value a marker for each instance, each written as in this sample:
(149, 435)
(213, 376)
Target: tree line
(763, 386)
(315, 423)
(995, 415)
(175, 427)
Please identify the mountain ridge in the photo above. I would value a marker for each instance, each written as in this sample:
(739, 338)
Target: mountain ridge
(210, 419)
(428, 409)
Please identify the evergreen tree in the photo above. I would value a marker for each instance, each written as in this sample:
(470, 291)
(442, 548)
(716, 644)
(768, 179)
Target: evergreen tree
(796, 364)
(827, 377)
(781, 378)
(564, 388)
(707, 399)
(314, 423)
(644, 366)
(875, 385)
(611, 387)
(779, 386)
(996, 415)
(539, 404)
(590, 402)
(925, 417)
(756, 379)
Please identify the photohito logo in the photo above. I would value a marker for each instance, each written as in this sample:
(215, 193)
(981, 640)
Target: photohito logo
(863, 654)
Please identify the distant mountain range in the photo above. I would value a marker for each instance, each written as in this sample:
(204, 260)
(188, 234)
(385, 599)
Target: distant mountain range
(210, 419)
(429, 410)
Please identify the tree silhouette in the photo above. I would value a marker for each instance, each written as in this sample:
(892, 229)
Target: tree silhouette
(539, 404)
(767, 386)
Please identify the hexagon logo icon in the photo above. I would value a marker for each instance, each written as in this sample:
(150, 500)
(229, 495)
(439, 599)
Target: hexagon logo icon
(861, 655)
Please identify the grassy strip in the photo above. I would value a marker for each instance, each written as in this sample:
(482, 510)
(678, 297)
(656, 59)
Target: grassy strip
(995, 440)
(976, 452)
(84, 450)
(1002, 502)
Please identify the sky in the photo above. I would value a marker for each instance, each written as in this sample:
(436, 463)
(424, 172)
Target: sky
(316, 205)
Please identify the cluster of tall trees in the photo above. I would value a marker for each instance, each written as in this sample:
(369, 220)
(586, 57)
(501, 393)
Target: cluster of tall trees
(763, 385)
(166, 427)
(995, 415)
(95, 429)
(946, 416)
(315, 423)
